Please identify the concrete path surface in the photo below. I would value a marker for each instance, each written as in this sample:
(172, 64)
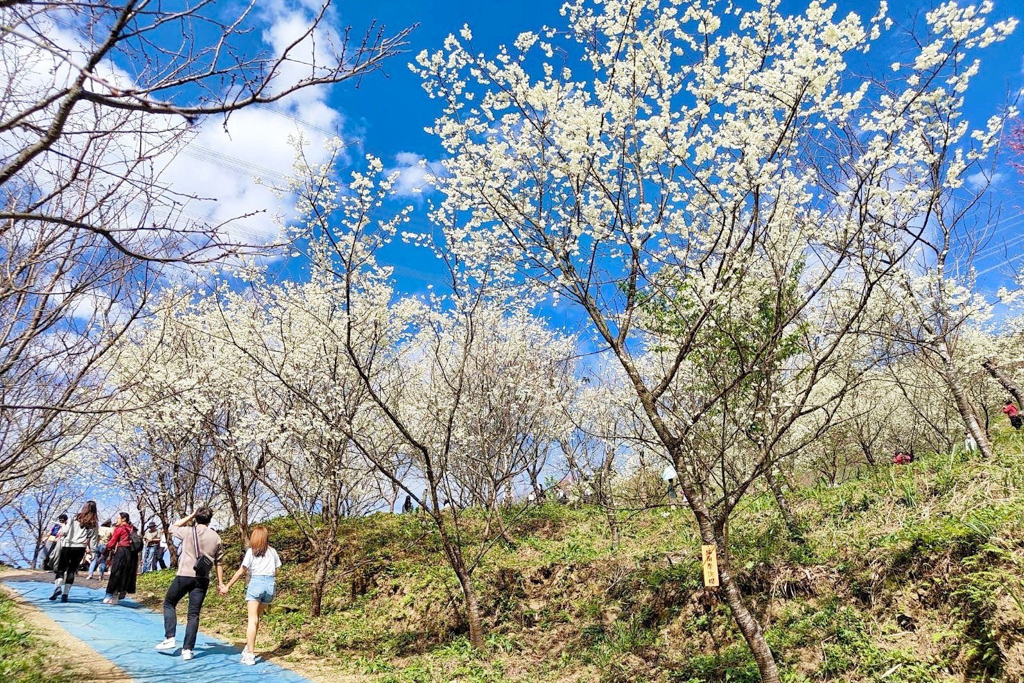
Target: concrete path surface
(126, 633)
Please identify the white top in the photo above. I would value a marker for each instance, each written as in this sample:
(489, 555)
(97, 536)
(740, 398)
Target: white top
(669, 473)
(262, 566)
(77, 536)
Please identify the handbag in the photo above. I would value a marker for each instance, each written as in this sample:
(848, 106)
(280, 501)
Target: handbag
(204, 564)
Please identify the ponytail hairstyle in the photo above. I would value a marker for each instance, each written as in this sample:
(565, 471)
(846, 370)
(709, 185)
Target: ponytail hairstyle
(125, 518)
(258, 541)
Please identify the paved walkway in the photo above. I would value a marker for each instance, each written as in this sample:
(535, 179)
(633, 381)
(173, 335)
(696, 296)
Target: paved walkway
(125, 634)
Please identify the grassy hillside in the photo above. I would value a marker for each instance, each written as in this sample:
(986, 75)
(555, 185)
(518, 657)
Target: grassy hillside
(24, 657)
(910, 574)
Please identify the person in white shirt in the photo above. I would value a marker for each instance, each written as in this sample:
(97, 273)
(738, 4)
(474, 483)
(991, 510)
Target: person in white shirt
(262, 562)
(78, 538)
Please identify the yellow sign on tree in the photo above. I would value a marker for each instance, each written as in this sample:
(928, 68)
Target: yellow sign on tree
(710, 557)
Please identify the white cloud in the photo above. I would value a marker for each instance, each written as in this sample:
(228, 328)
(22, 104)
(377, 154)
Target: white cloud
(981, 179)
(414, 174)
(211, 176)
(236, 170)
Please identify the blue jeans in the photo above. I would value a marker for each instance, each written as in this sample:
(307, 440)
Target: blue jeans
(261, 589)
(99, 559)
(149, 558)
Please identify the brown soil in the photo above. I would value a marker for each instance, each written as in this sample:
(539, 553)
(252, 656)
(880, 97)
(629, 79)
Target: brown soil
(67, 651)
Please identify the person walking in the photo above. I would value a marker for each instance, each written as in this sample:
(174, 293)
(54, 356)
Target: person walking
(161, 549)
(262, 563)
(99, 558)
(78, 536)
(56, 531)
(201, 552)
(151, 541)
(123, 560)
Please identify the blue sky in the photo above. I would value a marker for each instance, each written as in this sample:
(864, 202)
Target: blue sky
(386, 112)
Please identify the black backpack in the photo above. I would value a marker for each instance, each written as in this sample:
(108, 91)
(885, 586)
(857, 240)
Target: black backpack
(134, 541)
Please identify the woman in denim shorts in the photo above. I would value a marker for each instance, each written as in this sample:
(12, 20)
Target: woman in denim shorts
(262, 562)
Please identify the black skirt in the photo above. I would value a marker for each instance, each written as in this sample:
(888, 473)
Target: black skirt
(122, 572)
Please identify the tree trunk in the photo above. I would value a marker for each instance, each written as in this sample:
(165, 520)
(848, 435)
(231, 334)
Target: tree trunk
(741, 614)
(237, 507)
(476, 634)
(966, 411)
(606, 496)
(171, 548)
(320, 578)
(1005, 381)
(458, 565)
(780, 499)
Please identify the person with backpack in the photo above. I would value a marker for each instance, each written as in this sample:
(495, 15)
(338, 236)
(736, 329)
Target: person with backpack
(262, 563)
(123, 557)
(201, 552)
(78, 537)
(56, 531)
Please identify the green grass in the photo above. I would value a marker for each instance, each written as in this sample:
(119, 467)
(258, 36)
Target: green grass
(23, 658)
(940, 542)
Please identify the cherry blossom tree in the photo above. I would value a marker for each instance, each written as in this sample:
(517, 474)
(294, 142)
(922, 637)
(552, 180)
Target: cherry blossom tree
(307, 401)
(25, 521)
(718, 194)
(467, 387)
(100, 97)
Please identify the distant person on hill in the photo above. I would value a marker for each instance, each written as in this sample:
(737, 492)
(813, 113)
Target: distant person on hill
(669, 476)
(407, 505)
(99, 557)
(151, 539)
(201, 551)
(161, 549)
(902, 458)
(262, 563)
(1011, 412)
(970, 444)
(79, 536)
(122, 558)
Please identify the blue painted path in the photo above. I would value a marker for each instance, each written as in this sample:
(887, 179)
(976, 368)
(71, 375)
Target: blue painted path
(126, 633)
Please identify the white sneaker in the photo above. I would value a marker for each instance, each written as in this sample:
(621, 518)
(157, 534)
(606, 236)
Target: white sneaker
(166, 644)
(248, 658)
(186, 655)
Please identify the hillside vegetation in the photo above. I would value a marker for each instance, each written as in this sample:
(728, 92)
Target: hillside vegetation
(908, 574)
(24, 656)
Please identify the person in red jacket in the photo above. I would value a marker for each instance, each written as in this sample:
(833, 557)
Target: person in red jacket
(1011, 412)
(123, 561)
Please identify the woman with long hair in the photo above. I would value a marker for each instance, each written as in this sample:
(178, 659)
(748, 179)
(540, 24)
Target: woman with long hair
(122, 560)
(262, 563)
(78, 537)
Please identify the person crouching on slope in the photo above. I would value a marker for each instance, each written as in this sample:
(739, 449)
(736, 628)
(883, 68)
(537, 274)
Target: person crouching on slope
(201, 551)
(1011, 412)
(262, 563)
